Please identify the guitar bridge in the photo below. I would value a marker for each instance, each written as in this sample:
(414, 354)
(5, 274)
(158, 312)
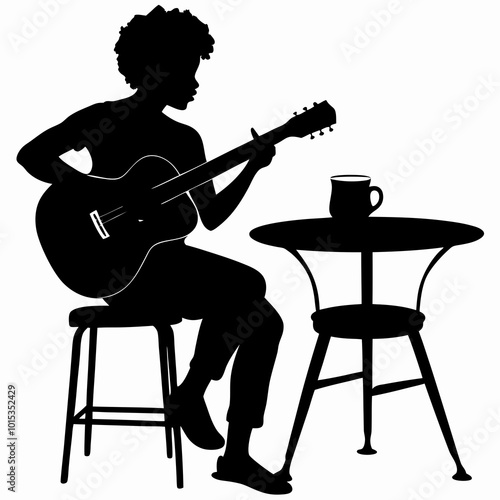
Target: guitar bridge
(96, 219)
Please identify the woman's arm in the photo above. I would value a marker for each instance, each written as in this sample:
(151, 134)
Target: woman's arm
(40, 157)
(214, 208)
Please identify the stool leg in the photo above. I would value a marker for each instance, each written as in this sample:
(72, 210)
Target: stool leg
(90, 390)
(164, 368)
(367, 347)
(70, 410)
(305, 401)
(176, 428)
(432, 390)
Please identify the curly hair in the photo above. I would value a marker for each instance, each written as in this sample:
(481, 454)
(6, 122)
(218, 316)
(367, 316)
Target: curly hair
(160, 36)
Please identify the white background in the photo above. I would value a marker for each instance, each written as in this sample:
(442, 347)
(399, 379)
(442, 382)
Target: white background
(407, 72)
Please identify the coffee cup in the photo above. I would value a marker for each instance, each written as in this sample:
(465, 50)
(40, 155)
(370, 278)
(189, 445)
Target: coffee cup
(351, 196)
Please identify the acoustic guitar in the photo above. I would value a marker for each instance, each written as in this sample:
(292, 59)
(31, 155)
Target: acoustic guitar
(97, 232)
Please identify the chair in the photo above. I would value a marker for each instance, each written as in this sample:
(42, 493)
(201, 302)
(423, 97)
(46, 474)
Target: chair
(93, 318)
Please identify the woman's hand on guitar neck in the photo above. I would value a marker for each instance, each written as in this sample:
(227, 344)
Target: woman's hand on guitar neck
(222, 204)
(264, 153)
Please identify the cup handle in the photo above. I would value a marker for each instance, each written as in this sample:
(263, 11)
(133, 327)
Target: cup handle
(380, 197)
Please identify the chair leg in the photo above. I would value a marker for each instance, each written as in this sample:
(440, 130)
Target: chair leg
(305, 401)
(176, 428)
(367, 347)
(70, 410)
(90, 390)
(164, 368)
(432, 390)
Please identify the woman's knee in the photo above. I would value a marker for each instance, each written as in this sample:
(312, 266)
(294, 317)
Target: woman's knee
(254, 283)
(264, 319)
(276, 325)
(246, 285)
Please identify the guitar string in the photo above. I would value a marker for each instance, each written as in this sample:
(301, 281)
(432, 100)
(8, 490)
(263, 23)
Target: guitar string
(154, 187)
(199, 166)
(162, 203)
(162, 184)
(112, 218)
(111, 211)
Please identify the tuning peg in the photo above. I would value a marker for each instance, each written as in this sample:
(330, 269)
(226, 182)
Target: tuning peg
(312, 136)
(330, 129)
(321, 132)
(305, 109)
(315, 103)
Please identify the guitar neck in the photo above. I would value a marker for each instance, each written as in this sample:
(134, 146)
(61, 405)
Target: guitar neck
(318, 117)
(202, 173)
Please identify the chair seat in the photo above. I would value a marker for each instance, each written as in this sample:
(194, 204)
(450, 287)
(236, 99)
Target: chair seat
(360, 321)
(116, 317)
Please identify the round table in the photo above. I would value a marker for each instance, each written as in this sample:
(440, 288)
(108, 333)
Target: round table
(366, 236)
(375, 234)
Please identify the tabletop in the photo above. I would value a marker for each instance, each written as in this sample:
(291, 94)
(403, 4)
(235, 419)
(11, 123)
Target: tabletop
(370, 234)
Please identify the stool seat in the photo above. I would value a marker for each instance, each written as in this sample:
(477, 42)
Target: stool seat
(117, 317)
(374, 321)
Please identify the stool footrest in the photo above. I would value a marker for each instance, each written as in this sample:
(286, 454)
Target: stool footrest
(82, 412)
(112, 421)
(127, 409)
(81, 418)
(326, 382)
(396, 386)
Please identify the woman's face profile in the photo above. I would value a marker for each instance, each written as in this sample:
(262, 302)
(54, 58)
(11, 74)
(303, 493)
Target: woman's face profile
(179, 87)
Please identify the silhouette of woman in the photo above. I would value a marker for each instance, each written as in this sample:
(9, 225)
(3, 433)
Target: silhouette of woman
(159, 55)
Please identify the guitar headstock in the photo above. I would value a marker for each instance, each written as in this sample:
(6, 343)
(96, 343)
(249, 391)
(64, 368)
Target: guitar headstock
(320, 116)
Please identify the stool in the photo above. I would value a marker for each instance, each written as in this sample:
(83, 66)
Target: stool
(367, 322)
(96, 317)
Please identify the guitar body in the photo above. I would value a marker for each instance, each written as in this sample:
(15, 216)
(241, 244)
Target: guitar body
(99, 255)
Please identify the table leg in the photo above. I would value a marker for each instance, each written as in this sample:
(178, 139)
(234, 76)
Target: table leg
(432, 389)
(367, 396)
(305, 401)
(367, 346)
(367, 278)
